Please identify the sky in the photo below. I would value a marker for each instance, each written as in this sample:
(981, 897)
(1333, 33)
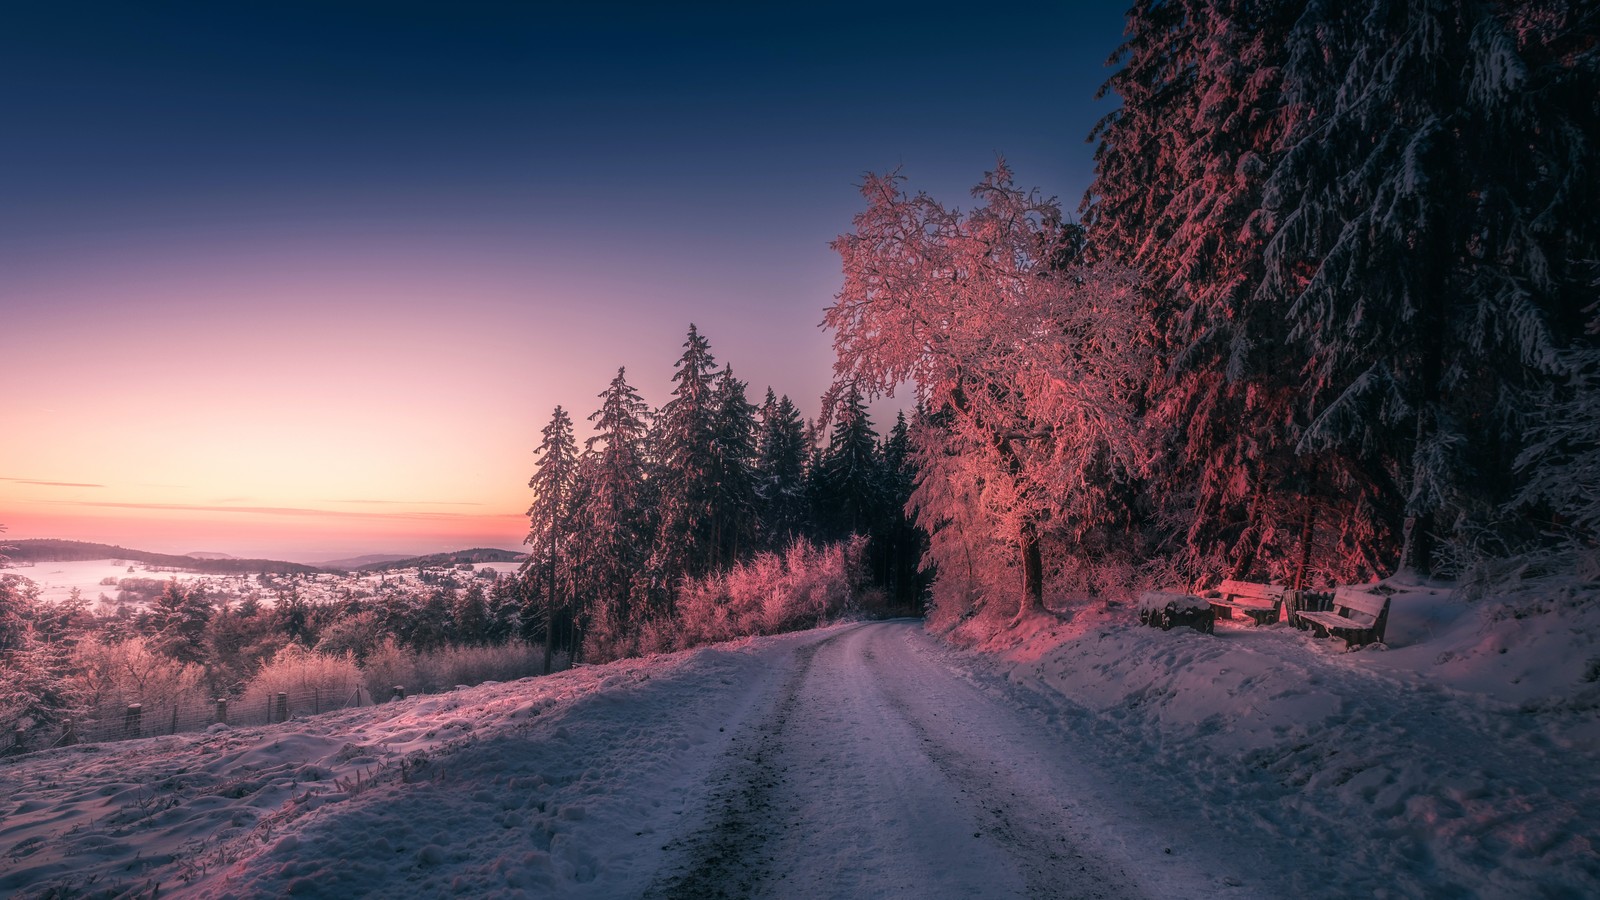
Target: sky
(305, 280)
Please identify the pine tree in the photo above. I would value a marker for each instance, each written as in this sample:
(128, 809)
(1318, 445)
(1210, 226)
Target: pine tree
(903, 542)
(1434, 239)
(550, 519)
(733, 448)
(684, 440)
(178, 620)
(1181, 166)
(780, 476)
(615, 534)
(852, 474)
(470, 617)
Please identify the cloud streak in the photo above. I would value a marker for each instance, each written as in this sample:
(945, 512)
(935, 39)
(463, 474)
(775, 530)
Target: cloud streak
(72, 484)
(285, 511)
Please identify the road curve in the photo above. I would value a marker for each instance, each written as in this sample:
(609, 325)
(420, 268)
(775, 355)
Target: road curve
(877, 771)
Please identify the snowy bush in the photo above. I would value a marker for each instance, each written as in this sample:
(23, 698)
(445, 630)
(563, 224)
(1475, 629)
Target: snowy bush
(801, 587)
(109, 677)
(322, 679)
(390, 665)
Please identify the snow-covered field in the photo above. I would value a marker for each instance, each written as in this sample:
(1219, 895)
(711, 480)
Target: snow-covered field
(1460, 761)
(57, 579)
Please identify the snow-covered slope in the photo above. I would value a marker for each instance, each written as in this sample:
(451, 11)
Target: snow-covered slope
(1461, 760)
(549, 784)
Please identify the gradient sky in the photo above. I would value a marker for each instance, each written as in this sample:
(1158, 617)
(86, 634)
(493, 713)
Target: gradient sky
(306, 279)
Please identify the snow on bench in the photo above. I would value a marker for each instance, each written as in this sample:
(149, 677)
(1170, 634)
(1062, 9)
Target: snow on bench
(1165, 609)
(1359, 616)
(1261, 602)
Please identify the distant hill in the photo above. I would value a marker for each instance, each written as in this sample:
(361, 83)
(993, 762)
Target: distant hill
(202, 554)
(475, 555)
(356, 562)
(50, 550)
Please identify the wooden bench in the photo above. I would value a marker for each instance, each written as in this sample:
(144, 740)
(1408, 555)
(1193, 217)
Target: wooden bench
(1261, 602)
(1359, 616)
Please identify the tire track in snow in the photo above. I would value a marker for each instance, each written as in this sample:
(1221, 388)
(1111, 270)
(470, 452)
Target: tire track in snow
(725, 858)
(851, 786)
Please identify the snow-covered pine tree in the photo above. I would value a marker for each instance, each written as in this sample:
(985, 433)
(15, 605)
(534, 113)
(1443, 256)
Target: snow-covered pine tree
(470, 617)
(550, 519)
(852, 477)
(616, 526)
(733, 448)
(1434, 239)
(1180, 168)
(780, 473)
(34, 692)
(686, 471)
(903, 544)
(178, 618)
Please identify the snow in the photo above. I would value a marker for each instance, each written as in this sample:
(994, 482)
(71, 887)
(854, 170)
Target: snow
(558, 783)
(57, 579)
(873, 760)
(1460, 759)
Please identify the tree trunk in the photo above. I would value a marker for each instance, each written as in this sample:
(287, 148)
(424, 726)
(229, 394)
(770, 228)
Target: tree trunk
(1416, 543)
(1308, 528)
(1249, 539)
(1032, 572)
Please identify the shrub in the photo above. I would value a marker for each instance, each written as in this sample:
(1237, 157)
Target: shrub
(318, 680)
(109, 677)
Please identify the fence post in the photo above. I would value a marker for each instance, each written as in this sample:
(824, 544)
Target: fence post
(131, 719)
(283, 706)
(399, 692)
(222, 710)
(174, 728)
(16, 739)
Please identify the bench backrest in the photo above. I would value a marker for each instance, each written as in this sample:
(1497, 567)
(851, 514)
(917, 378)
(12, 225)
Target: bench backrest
(1272, 592)
(1357, 599)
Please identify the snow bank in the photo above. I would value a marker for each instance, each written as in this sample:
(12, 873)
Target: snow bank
(1459, 760)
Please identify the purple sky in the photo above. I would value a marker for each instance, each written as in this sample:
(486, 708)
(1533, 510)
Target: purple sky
(280, 256)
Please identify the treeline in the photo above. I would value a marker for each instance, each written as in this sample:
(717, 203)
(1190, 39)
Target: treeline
(179, 646)
(1330, 313)
(49, 549)
(659, 504)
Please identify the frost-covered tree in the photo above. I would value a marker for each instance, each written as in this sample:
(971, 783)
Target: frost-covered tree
(902, 543)
(734, 451)
(470, 617)
(550, 519)
(34, 692)
(780, 473)
(615, 522)
(852, 480)
(178, 619)
(1180, 169)
(1030, 357)
(684, 439)
(1433, 238)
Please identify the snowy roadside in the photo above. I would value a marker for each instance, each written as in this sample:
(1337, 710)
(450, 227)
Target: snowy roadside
(1461, 761)
(568, 783)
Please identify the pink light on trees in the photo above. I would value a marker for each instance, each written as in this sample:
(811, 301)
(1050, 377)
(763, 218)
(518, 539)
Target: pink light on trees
(1026, 359)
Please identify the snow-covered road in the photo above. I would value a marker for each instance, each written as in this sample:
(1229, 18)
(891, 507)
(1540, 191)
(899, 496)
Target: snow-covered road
(876, 771)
